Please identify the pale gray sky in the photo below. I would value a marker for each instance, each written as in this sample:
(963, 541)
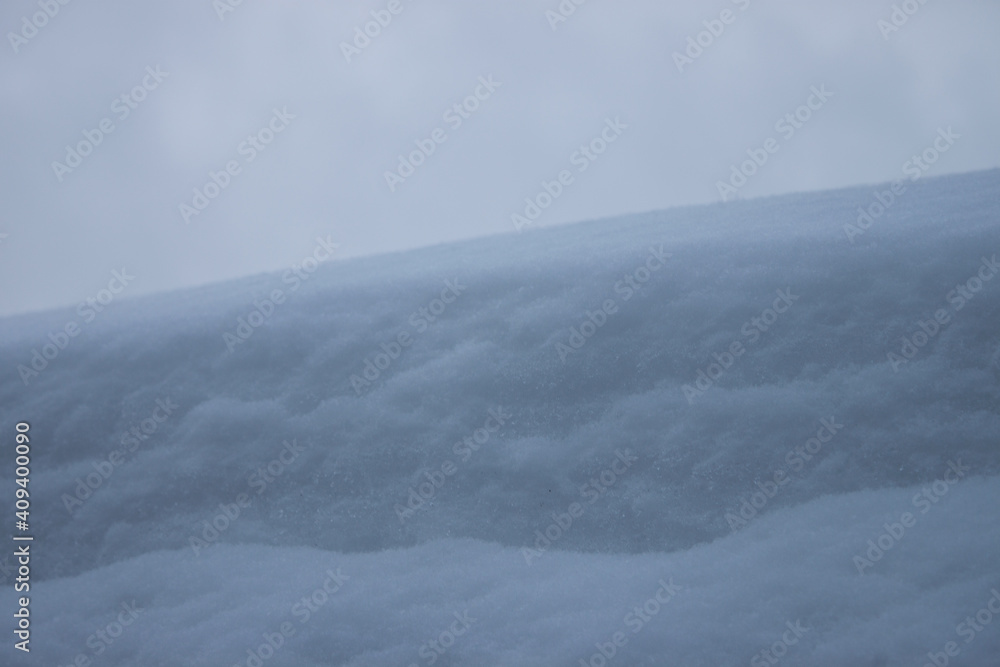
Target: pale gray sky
(678, 133)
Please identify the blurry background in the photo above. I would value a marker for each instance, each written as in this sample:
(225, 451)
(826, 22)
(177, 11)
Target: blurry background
(324, 174)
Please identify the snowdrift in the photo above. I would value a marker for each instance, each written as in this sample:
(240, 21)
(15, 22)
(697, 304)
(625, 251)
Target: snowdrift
(717, 435)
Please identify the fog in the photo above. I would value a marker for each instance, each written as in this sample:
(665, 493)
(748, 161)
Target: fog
(352, 112)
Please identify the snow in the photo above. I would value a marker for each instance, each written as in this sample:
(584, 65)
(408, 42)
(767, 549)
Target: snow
(603, 436)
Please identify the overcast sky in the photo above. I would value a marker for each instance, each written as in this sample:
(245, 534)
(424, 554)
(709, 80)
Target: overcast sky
(554, 86)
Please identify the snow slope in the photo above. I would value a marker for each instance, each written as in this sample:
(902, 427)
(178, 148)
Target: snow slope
(647, 480)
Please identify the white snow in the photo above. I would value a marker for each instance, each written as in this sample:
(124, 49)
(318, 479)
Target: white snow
(341, 462)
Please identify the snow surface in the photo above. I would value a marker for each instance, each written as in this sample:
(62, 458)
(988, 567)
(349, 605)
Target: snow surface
(335, 507)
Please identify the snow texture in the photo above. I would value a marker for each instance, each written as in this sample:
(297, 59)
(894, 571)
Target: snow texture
(659, 483)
